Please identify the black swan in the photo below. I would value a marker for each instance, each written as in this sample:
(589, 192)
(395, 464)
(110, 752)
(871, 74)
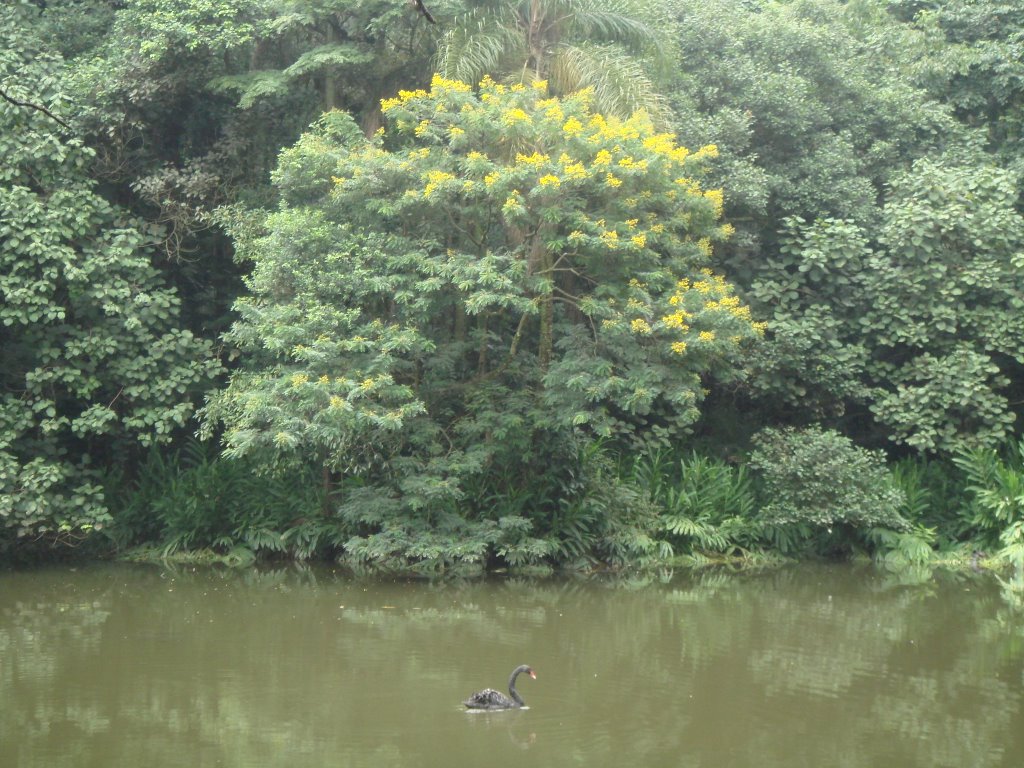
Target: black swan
(492, 699)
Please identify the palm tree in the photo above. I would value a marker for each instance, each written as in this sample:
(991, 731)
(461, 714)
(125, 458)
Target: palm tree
(607, 45)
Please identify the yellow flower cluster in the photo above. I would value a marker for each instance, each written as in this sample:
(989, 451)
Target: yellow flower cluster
(439, 83)
(572, 127)
(677, 320)
(664, 144)
(435, 177)
(549, 181)
(715, 196)
(298, 379)
(614, 129)
(403, 97)
(535, 159)
(640, 326)
(514, 116)
(422, 127)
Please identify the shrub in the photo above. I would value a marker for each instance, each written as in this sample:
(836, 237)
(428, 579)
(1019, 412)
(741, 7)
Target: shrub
(819, 480)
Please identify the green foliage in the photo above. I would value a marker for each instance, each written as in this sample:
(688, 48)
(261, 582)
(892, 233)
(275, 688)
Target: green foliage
(936, 496)
(189, 501)
(969, 57)
(923, 324)
(442, 309)
(91, 355)
(996, 484)
(809, 108)
(705, 504)
(820, 479)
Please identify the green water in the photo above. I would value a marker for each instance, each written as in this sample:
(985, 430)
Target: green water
(808, 666)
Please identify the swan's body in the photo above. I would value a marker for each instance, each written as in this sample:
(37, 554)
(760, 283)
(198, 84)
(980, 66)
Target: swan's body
(492, 699)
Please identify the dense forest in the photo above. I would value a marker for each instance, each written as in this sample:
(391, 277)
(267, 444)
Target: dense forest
(512, 283)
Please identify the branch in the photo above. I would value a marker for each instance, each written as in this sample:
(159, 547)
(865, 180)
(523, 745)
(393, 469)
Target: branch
(39, 107)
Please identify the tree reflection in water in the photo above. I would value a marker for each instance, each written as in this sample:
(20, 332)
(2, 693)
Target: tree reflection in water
(809, 665)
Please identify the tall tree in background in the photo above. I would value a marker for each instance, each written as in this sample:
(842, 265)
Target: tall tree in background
(612, 46)
(442, 316)
(92, 359)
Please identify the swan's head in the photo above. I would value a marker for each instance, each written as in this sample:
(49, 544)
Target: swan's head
(524, 668)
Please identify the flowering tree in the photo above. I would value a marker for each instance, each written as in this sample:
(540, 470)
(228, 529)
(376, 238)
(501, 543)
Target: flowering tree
(462, 297)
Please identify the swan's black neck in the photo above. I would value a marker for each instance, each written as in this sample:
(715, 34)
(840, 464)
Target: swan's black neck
(512, 688)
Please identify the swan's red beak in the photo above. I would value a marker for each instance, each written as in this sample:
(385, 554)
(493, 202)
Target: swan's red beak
(533, 674)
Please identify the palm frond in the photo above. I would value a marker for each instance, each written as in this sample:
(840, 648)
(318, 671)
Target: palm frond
(633, 25)
(621, 86)
(477, 46)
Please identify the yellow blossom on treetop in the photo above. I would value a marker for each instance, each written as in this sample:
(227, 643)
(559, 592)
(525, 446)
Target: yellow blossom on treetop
(679, 347)
(515, 115)
(539, 85)
(639, 240)
(715, 196)
(604, 157)
(575, 171)
(555, 113)
(611, 180)
(535, 159)
(639, 325)
(434, 178)
(677, 320)
(706, 336)
(572, 127)
(438, 82)
(549, 181)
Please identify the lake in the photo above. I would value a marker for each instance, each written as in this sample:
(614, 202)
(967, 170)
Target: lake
(810, 665)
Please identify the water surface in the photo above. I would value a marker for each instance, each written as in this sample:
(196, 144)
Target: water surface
(808, 666)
